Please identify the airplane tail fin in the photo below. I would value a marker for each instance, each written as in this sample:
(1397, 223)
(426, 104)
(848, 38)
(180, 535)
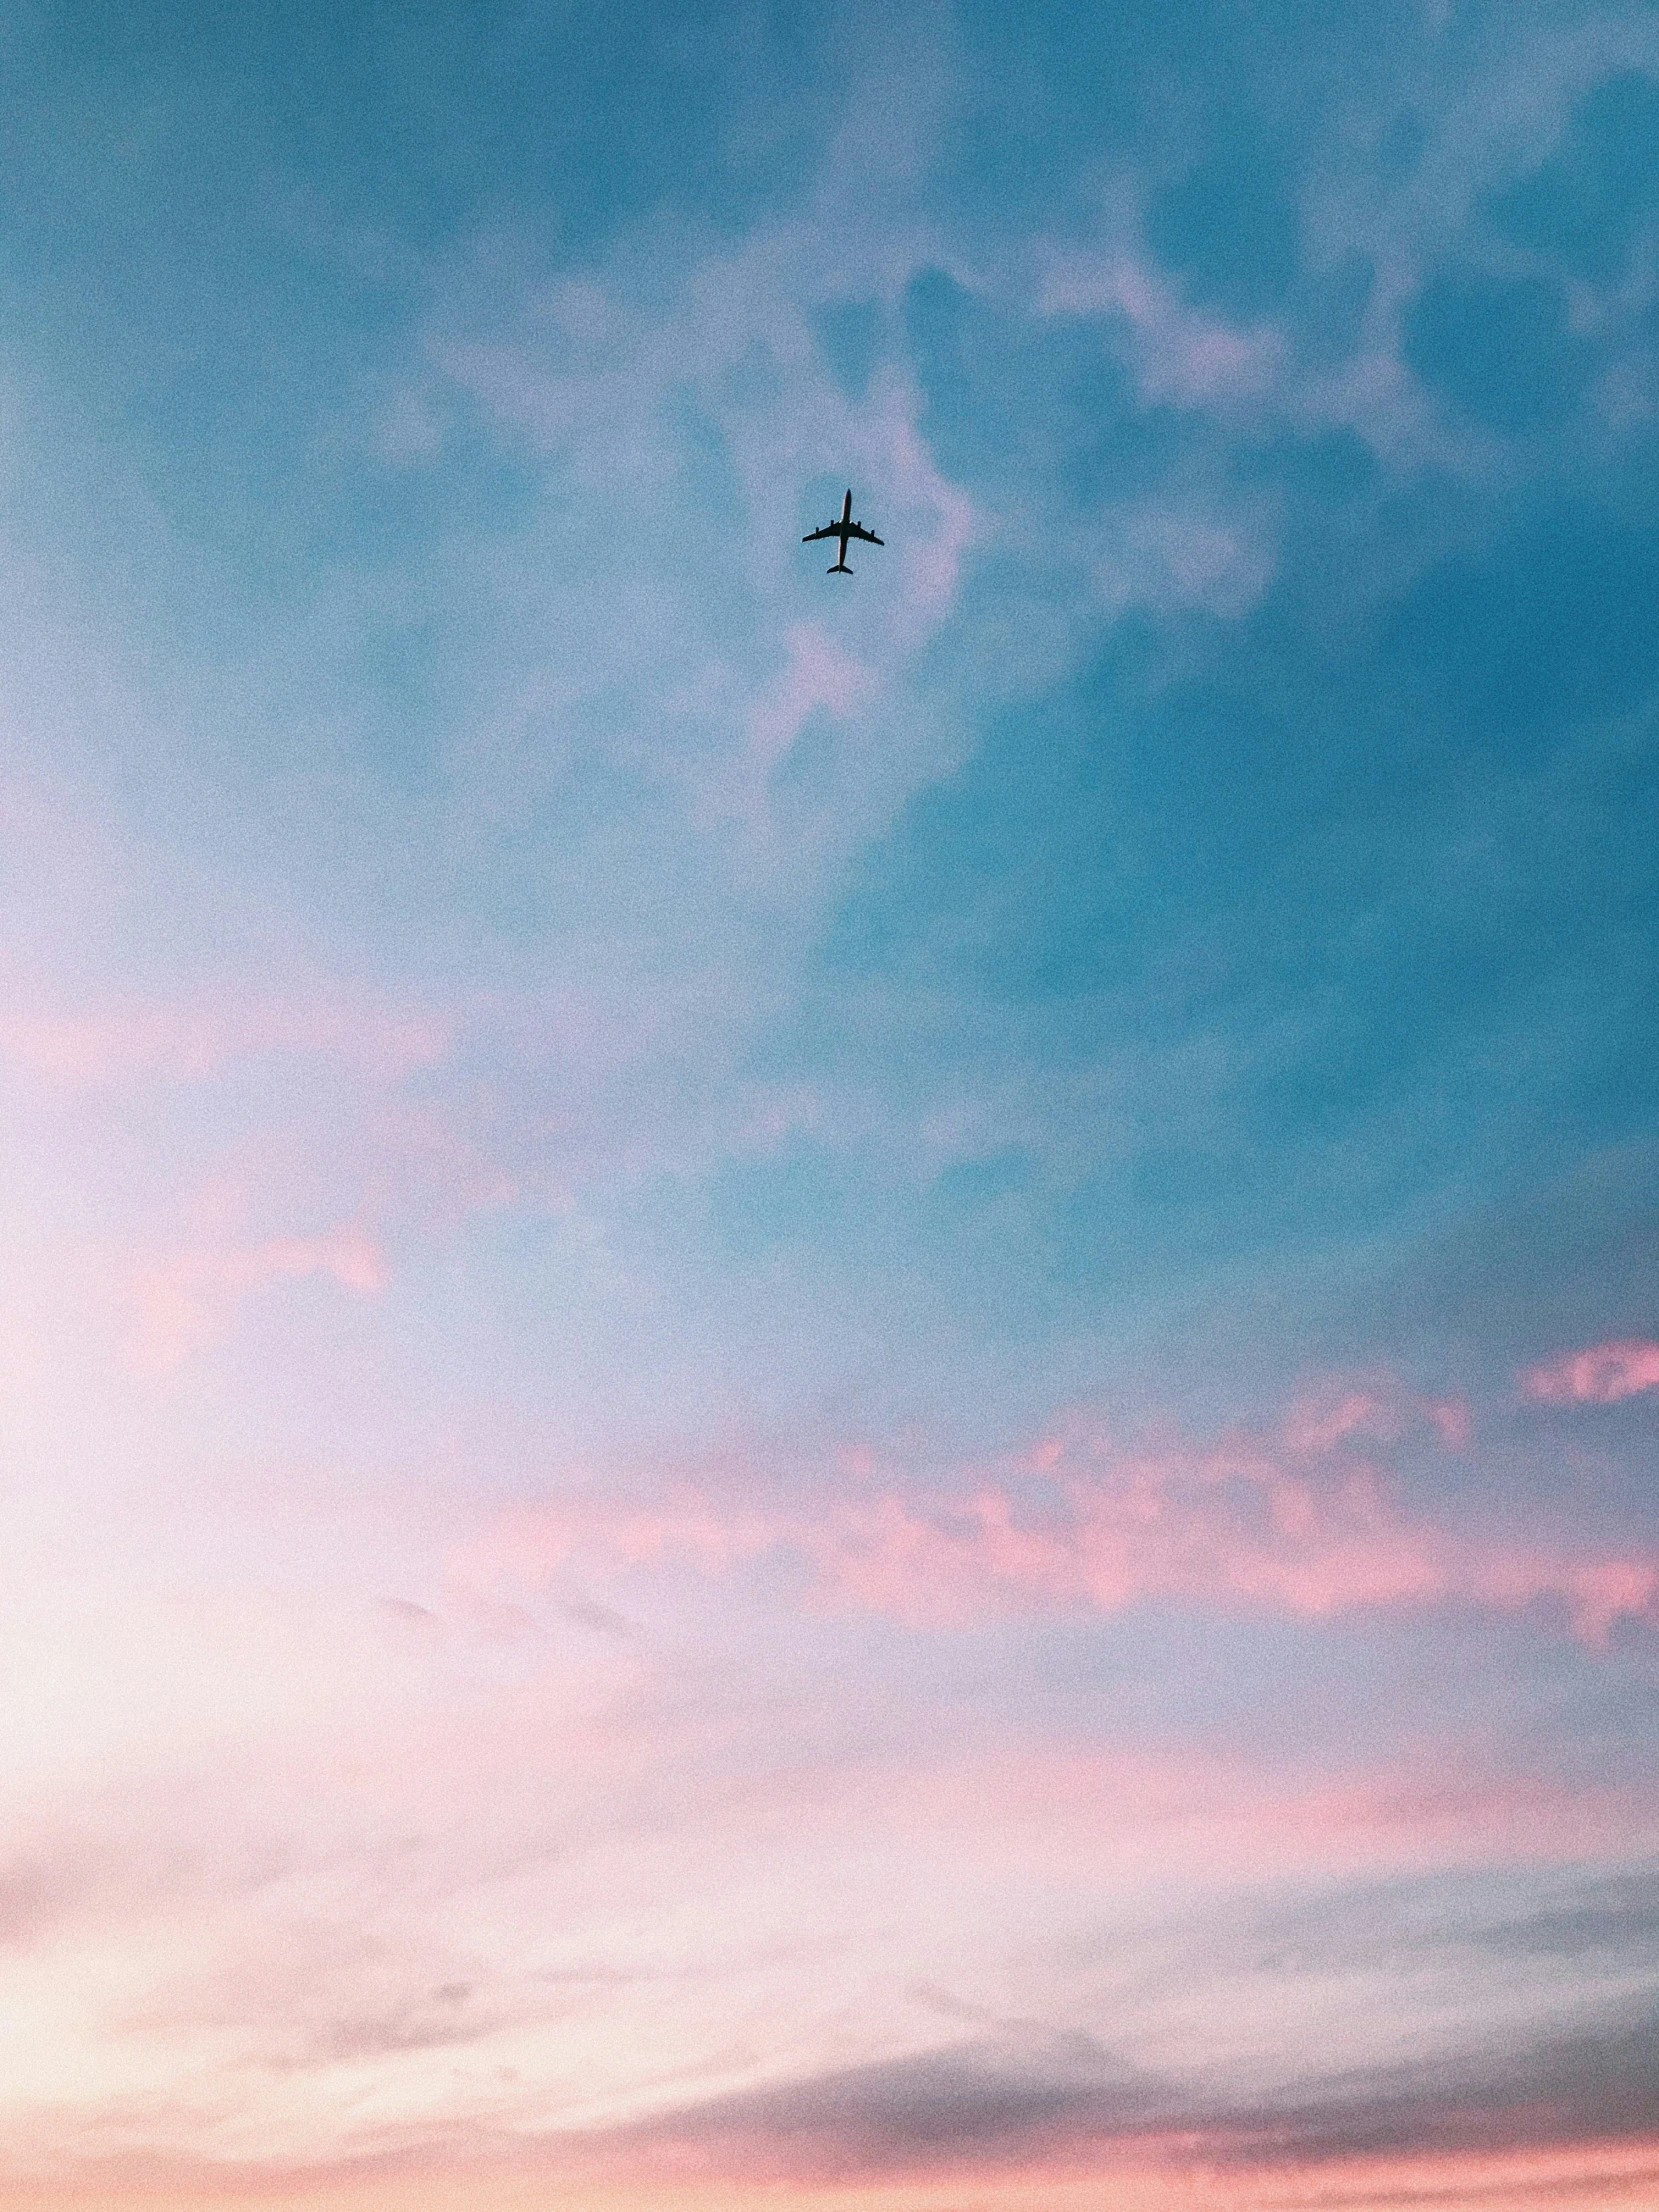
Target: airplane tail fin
(841, 569)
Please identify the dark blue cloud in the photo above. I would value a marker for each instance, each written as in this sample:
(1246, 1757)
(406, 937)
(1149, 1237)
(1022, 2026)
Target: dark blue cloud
(984, 2104)
(977, 2101)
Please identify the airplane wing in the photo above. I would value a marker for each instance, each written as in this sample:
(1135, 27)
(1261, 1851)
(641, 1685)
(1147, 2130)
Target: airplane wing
(829, 530)
(857, 530)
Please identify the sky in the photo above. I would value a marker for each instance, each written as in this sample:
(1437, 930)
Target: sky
(816, 1393)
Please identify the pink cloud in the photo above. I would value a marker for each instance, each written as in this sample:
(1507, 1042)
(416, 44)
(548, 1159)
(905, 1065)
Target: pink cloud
(1452, 1421)
(192, 1041)
(187, 1299)
(1205, 2165)
(1600, 1375)
(1300, 1521)
(1377, 1409)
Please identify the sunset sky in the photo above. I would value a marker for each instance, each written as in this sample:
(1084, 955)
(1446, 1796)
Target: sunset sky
(816, 1393)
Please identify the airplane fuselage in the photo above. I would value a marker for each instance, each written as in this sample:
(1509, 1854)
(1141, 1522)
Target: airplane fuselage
(843, 532)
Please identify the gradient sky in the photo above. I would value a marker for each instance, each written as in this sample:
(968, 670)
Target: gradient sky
(829, 1393)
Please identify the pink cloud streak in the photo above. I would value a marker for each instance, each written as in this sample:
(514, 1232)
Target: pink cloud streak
(1299, 1521)
(193, 1041)
(1600, 1375)
(190, 1297)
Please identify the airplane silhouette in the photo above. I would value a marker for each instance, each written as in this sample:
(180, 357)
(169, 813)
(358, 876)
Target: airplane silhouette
(844, 529)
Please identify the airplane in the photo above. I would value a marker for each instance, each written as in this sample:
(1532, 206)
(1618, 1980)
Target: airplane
(844, 529)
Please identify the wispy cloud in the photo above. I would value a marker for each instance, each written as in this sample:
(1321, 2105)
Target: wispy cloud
(1182, 358)
(1600, 1375)
(188, 1041)
(190, 1297)
(690, 412)
(1301, 1520)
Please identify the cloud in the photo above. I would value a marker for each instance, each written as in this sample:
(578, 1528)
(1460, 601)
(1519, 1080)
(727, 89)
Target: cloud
(37, 1893)
(1409, 221)
(1599, 1920)
(604, 1620)
(188, 1298)
(1199, 539)
(989, 2105)
(1616, 1914)
(1600, 1375)
(985, 2101)
(820, 678)
(1181, 357)
(698, 406)
(1597, 2087)
(421, 1894)
(189, 1043)
(1186, 549)
(1300, 1520)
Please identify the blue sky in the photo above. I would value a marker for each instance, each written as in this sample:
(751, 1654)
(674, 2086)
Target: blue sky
(1060, 1136)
